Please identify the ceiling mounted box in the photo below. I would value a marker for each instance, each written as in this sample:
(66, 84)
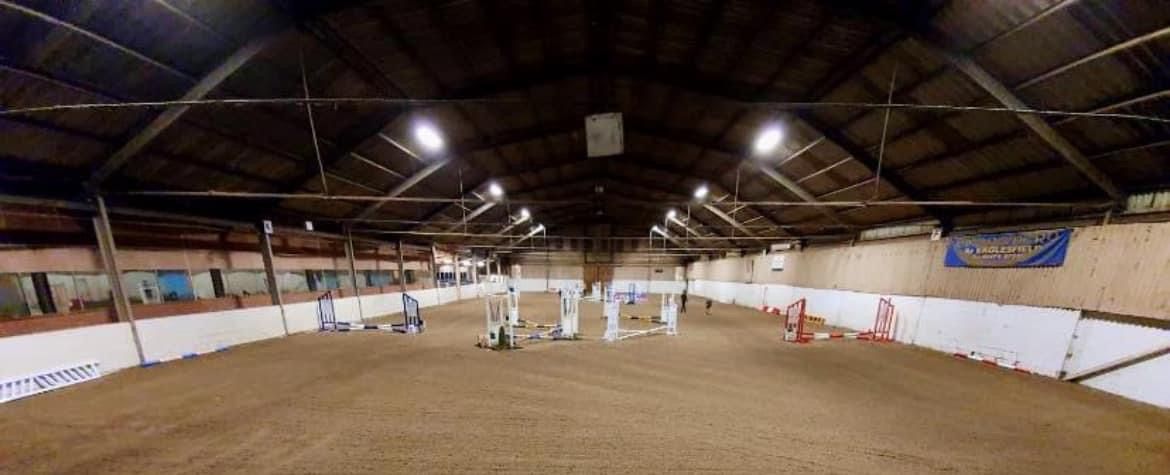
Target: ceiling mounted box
(603, 134)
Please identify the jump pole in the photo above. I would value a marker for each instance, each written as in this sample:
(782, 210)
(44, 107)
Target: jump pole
(614, 332)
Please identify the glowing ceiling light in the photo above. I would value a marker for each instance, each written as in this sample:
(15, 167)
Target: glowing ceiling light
(671, 214)
(701, 192)
(524, 214)
(768, 139)
(495, 190)
(428, 138)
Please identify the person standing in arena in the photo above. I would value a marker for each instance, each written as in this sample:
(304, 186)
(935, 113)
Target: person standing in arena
(682, 300)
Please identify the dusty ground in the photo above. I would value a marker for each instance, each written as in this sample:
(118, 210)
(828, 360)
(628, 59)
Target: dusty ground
(725, 395)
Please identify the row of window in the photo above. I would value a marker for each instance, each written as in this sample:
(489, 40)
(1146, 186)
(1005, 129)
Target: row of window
(449, 278)
(40, 293)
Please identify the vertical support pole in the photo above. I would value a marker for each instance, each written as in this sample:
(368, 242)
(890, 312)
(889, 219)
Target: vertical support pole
(270, 275)
(402, 269)
(547, 263)
(434, 268)
(109, 252)
(649, 265)
(349, 257)
(475, 274)
(458, 277)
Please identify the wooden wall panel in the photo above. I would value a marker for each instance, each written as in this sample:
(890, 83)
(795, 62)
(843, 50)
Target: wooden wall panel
(1118, 268)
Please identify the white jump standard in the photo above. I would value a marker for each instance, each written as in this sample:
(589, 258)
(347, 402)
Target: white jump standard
(327, 318)
(614, 332)
(502, 334)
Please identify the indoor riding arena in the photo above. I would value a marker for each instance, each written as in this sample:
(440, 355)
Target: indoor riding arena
(587, 236)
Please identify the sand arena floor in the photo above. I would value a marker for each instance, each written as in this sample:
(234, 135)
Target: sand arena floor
(724, 396)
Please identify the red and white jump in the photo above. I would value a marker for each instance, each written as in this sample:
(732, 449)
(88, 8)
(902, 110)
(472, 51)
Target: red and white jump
(795, 318)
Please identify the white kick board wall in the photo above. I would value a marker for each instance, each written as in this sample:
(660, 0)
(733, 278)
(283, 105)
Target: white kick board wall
(1038, 337)
(166, 338)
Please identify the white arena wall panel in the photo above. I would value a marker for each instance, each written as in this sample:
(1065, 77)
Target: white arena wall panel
(172, 337)
(777, 295)
(1037, 337)
(1096, 345)
(557, 284)
(667, 286)
(301, 317)
(446, 295)
(165, 338)
(749, 295)
(531, 285)
(111, 345)
(381, 305)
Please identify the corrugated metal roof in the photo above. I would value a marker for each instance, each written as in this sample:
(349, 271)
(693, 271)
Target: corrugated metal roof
(679, 75)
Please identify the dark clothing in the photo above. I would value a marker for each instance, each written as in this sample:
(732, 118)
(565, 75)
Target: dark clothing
(683, 300)
(709, 301)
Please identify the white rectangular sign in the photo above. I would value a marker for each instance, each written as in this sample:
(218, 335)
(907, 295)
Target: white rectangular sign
(778, 261)
(603, 135)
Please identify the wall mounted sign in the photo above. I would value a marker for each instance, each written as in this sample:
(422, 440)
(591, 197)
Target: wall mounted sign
(1013, 249)
(778, 261)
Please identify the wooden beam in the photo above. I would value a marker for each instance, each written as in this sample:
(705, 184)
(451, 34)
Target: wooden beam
(1116, 365)
(402, 187)
(1039, 127)
(160, 123)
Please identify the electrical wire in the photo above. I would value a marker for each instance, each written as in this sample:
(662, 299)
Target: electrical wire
(400, 102)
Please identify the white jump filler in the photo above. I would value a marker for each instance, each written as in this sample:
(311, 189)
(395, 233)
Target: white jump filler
(513, 304)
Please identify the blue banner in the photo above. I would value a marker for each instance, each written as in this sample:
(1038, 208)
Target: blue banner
(1015, 249)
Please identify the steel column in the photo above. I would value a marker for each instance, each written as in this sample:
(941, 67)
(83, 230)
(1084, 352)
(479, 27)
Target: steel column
(109, 251)
(402, 269)
(349, 257)
(270, 275)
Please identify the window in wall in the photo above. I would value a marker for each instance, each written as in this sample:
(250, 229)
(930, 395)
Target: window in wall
(322, 280)
(380, 278)
(292, 281)
(410, 276)
(64, 296)
(37, 294)
(141, 287)
(363, 279)
(175, 285)
(13, 303)
(313, 280)
(330, 280)
(245, 282)
(93, 290)
(217, 283)
(203, 285)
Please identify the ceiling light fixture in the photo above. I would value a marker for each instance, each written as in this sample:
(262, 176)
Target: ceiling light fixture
(428, 138)
(768, 139)
(701, 192)
(495, 190)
